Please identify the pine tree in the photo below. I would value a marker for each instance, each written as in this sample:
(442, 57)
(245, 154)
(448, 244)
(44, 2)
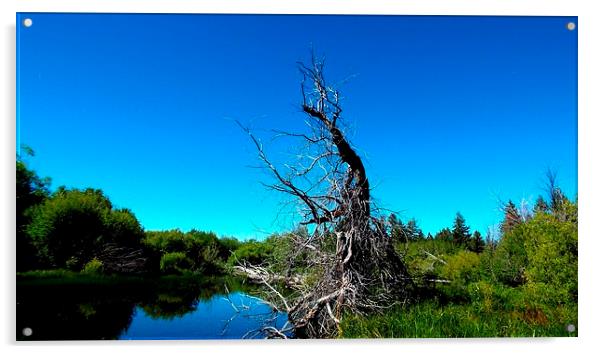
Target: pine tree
(399, 232)
(540, 205)
(444, 235)
(414, 232)
(460, 231)
(477, 244)
(511, 217)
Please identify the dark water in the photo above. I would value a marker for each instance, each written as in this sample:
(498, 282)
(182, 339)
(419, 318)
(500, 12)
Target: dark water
(162, 308)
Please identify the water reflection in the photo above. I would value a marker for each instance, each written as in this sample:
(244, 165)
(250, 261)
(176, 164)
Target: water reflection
(165, 308)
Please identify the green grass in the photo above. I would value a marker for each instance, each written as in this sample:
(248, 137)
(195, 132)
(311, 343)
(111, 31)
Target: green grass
(429, 319)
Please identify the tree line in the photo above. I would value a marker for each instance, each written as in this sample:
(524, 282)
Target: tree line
(459, 234)
(81, 230)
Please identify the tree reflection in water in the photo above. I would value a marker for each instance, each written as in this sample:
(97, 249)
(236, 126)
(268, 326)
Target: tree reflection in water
(161, 308)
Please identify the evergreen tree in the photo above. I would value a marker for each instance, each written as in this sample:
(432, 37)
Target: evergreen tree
(540, 205)
(444, 235)
(398, 229)
(477, 244)
(556, 196)
(413, 231)
(511, 217)
(460, 231)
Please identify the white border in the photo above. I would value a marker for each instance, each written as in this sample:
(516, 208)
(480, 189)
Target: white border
(589, 179)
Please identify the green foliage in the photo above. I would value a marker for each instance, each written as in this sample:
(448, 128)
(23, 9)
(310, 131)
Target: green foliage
(543, 249)
(425, 258)
(460, 233)
(431, 319)
(511, 218)
(252, 252)
(285, 258)
(444, 235)
(523, 285)
(31, 190)
(70, 227)
(476, 243)
(175, 263)
(227, 246)
(461, 267)
(540, 206)
(204, 250)
(93, 267)
(551, 249)
(165, 241)
(123, 228)
(401, 232)
(509, 261)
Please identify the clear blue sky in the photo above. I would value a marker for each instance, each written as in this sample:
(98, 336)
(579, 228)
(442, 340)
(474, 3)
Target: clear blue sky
(449, 113)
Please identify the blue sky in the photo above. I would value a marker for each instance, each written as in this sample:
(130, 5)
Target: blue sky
(449, 113)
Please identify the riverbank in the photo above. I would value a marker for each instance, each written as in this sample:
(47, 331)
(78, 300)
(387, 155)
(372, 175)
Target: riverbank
(433, 319)
(63, 305)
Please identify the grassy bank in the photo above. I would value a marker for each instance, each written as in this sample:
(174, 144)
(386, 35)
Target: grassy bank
(430, 319)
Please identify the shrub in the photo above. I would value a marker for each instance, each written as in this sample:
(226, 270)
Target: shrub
(203, 249)
(93, 267)
(542, 251)
(509, 260)
(69, 228)
(461, 267)
(551, 248)
(253, 252)
(175, 263)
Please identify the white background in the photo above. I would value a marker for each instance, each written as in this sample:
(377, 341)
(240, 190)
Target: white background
(590, 177)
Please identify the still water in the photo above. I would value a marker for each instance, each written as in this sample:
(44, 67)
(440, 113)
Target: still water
(162, 308)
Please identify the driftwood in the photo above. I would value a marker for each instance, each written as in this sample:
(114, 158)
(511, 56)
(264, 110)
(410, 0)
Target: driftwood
(350, 247)
(261, 275)
(119, 259)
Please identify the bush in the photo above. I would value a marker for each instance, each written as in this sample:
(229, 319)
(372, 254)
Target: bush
(420, 256)
(93, 267)
(462, 268)
(71, 226)
(203, 249)
(175, 263)
(165, 241)
(227, 245)
(253, 252)
(551, 248)
(542, 251)
(31, 190)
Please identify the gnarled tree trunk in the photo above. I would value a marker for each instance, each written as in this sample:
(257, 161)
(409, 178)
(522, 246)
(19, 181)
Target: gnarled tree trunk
(364, 273)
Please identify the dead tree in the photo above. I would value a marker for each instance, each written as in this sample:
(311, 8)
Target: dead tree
(363, 273)
(121, 260)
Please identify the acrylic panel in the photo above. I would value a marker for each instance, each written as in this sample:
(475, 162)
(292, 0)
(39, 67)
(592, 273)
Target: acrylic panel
(205, 176)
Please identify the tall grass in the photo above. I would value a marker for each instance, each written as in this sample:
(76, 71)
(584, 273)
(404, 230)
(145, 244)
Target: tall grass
(430, 319)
